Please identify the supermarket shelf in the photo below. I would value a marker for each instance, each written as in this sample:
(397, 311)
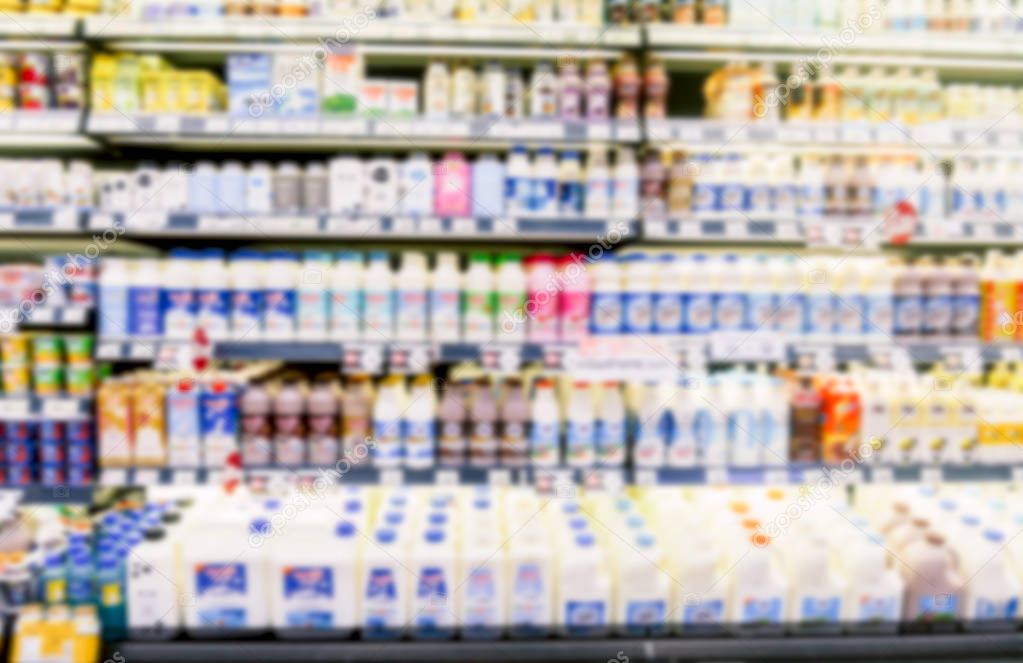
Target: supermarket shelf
(360, 29)
(26, 26)
(739, 230)
(225, 131)
(56, 316)
(938, 138)
(43, 129)
(190, 225)
(360, 470)
(39, 494)
(42, 220)
(35, 408)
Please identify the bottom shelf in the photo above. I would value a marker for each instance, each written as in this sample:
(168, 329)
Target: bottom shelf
(964, 646)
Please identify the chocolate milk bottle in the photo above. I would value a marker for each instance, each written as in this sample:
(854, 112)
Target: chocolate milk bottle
(933, 582)
(289, 442)
(454, 433)
(483, 425)
(937, 283)
(514, 446)
(322, 422)
(255, 415)
(806, 422)
(356, 407)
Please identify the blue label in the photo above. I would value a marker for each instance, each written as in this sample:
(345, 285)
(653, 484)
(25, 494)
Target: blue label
(544, 196)
(730, 312)
(480, 598)
(113, 304)
(220, 580)
(222, 617)
(933, 606)
(705, 433)
(144, 315)
(908, 314)
(1004, 609)
(432, 598)
(879, 609)
(742, 429)
(308, 583)
(381, 604)
(820, 314)
(645, 613)
(246, 310)
(699, 313)
(543, 440)
(820, 609)
(212, 308)
(704, 612)
(790, 316)
(760, 198)
(388, 440)
(849, 314)
(280, 310)
(937, 314)
(965, 314)
(219, 413)
(610, 437)
(638, 307)
(668, 312)
(584, 616)
(606, 313)
(761, 611)
(733, 198)
(178, 310)
(761, 310)
(571, 199)
(811, 200)
(878, 315)
(704, 197)
(528, 606)
(960, 201)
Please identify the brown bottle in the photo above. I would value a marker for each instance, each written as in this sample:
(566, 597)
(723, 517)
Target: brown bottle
(453, 442)
(514, 446)
(806, 422)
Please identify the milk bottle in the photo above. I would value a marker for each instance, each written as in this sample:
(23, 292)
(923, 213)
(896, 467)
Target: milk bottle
(606, 300)
(314, 296)
(178, 295)
(709, 424)
(873, 600)
(346, 305)
(991, 596)
(482, 598)
(545, 431)
(531, 578)
(610, 427)
(416, 185)
(700, 598)
(387, 412)
(699, 300)
(511, 298)
(642, 588)
(933, 587)
(445, 299)
(411, 303)
(583, 589)
(433, 605)
(153, 579)
(385, 585)
(817, 592)
(478, 300)
(653, 427)
(420, 433)
(313, 583)
(378, 305)
(227, 572)
(758, 590)
(637, 302)
(744, 444)
(579, 431)
(279, 296)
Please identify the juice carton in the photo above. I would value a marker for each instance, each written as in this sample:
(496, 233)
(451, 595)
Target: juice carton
(148, 409)
(113, 405)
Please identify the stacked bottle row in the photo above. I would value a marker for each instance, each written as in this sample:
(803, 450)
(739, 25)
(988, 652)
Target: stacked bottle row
(483, 563)
(280, 296)
(737, 419)
(741, 91)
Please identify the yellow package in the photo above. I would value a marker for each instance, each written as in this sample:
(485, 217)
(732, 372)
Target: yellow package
(149, 422)
(86, 640)
(114, 433)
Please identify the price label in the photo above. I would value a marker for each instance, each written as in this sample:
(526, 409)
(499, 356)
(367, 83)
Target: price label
(499, 477)
(463, 227)
(108, 350)
(818, 359)
(186, 477)
(812, 476)
(646, 477)
(43, 316)
(931, 475)
(357, 358)
(717, 476)
(113, 477)
(61, 408)
(15, 408)
(391, 477)
(446, 478)
(959, 358)
(146, 476)
(74, 315)
(776, 476)
(505, 359)
(882, 474)
(1017, 474)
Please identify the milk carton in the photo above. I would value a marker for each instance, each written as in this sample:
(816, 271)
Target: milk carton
(153, 581)
(384, 588)
(757, 590)
(642, 589)
(583, 606)
(483, 594)
(817, 591)
(433, 599)
(991, 596)
(530, 582)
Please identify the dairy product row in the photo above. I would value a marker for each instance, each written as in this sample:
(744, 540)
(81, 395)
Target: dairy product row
(741, 91)
(36, 81)
(737, 419)
(351, 296)
(483, 563)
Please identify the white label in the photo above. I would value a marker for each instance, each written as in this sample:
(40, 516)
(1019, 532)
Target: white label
(391, 477)
(61, 408)
(113, 477)
(446, 478)
(499, 477)
(15, 408)
(931, 475)
(882, 475)
(146, 476)
(776, 477)
(717, 476)
(185, 477)
(646, 477)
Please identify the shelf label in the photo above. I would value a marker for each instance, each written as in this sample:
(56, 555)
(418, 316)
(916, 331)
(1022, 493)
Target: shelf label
(776, 476)
(61, 408)
(882, 474)
(446, 478)
(499, 477)
(1017, 474)
(716, 476)
(554, 482)
(359, 358)
(503, 359)
(747, 346)
(391, 477)
(146, 476)
(609, 480)
(113, 477)
(15, 408)
(646, 477)
(185, 477)
(931, 475)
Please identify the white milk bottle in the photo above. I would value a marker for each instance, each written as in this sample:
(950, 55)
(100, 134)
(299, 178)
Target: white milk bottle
(625, 186)
(652, 429)
(518, 183)
(991, 596)
(445, 299)
(378, 305)
(479, 291)
(313, 576)
(152, 592)
(579, 426)
(772, 410)
(384, 587)
(179, 294)
(483, 591)
(709, 424)
(314, 296)
(583, 589)
(416, 185)
(387, 412)
(744, 443)
(531, 579)
(279, 310)
(246, 278)
(411, 303)
(817, 591)
(511, 296)
(637, 302)
(642, 588)
(229, 574)
(873, 600)
(212, 295)
(545, 425)
(606, 300)
(700, 598)
(346, 303)
(597, 197)
(610, 426)
(758, 590)
(419, 421)
(433, 565)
